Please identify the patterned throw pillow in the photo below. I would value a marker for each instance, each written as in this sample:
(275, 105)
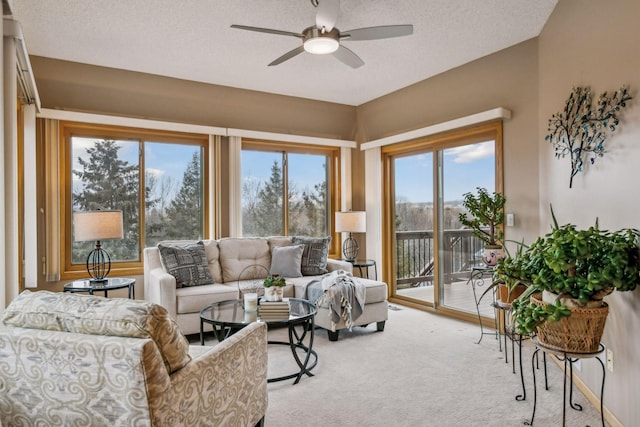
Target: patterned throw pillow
(314, 256)
(188, 264)
(286, 261)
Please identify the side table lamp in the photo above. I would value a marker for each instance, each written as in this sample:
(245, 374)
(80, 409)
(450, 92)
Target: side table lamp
(351, 222)
(97, 225)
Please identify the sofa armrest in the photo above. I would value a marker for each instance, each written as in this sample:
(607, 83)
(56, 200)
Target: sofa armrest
(161, 289)
(335, 264)
(227, 385)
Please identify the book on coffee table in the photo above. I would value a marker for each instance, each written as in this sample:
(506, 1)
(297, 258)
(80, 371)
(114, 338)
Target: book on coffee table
(273, 310)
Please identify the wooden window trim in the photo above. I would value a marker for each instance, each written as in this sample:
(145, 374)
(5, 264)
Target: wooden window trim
(67, 130)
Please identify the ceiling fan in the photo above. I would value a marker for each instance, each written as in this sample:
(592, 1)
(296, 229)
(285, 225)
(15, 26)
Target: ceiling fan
(324, 38)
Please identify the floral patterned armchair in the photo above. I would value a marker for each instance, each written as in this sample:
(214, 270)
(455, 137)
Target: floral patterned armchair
(69, 359)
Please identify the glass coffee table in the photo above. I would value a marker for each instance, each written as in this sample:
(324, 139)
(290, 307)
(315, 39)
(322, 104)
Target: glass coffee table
(227, 317)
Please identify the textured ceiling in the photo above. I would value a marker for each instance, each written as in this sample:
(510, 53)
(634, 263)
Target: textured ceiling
(192, 40)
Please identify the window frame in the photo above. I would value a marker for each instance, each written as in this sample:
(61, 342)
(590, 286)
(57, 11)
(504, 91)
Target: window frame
(334, 175)
(491, 130)
(69, 129)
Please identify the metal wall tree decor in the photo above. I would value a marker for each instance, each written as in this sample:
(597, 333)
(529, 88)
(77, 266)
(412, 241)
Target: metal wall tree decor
(580, 130)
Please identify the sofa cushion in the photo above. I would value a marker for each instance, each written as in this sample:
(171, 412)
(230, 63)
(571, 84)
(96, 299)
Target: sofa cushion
(193, 299)
(248, 257)
(286, 261)
(213, 258)
(187, 263)
(314, 257)
(85, 314)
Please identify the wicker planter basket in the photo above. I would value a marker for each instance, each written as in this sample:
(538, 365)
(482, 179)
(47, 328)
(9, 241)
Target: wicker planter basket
(578, 333)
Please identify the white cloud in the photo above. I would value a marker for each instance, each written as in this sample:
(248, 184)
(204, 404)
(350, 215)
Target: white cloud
(155, 172)
(471, 153)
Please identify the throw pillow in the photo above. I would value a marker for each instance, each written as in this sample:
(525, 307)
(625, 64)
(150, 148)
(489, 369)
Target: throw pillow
(286, 260)
(188, 264)
(314, 257)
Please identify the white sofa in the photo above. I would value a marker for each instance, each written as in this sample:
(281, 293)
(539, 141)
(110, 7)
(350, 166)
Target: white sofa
(232, 265)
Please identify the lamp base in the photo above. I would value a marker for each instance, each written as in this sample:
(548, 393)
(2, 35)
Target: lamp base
(350, 248)
(98, 265)
(98, 282)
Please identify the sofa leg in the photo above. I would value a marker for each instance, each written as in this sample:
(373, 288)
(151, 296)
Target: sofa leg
(260, 423)
(380, 326)
(333, 335)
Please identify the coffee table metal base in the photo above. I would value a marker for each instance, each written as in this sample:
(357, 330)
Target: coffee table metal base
(300, 325)
(296, 341)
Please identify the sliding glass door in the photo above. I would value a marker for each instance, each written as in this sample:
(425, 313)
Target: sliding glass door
(432, 253)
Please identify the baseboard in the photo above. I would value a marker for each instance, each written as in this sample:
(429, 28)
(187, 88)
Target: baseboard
(592, 397)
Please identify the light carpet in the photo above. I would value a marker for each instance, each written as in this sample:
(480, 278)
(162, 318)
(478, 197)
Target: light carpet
(423, 370)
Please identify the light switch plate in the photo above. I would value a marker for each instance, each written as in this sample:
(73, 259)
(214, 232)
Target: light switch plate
(510, 220)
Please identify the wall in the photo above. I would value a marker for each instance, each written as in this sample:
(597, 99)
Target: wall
(595, 43)
(505, 79)
(88, 88)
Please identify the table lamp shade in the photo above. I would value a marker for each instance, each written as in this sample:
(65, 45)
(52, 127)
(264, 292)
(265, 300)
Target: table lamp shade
(97, 225)
(352, 222)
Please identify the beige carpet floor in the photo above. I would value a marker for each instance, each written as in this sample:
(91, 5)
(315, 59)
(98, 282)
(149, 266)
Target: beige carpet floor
(423, 370)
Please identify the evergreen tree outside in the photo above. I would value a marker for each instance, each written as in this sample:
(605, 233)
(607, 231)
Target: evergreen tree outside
(107, 182)
(268, 209)
(184, 216)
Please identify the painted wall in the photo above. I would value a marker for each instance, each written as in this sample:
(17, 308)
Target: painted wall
(88, 88)
(596, 43)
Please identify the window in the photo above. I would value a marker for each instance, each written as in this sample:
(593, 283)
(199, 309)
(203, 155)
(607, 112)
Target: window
(288, 189)
(158, 174)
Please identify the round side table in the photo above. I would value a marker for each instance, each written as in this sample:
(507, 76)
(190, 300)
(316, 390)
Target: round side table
(110, 285)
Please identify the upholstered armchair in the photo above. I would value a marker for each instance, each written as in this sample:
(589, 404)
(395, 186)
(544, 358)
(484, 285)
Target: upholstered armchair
(70, 359)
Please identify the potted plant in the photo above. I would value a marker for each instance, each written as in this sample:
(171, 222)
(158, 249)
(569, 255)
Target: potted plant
(569, 271)
(274, 287)
(485, 218)
(508, 278)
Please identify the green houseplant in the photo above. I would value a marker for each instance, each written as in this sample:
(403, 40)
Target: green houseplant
(574, 269)
(274, 287)
(485, 218)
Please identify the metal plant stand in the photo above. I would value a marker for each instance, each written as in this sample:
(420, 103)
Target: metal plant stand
(568, 359)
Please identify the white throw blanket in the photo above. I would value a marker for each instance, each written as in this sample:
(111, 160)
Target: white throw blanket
(343, 294)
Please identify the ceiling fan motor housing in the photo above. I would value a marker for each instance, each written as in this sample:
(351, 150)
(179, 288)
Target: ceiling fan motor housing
(320, 42)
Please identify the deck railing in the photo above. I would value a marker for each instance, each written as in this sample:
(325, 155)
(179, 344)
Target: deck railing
(415, 261)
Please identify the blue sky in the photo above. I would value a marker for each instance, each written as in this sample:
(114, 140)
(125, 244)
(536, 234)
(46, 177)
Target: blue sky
(304, 170)
(162, 159)
(464, 168)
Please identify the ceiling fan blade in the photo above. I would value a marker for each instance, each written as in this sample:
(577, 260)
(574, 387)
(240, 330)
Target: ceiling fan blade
(348, 57)
(267, 30)
(288, 56)
(377, 33)
(327, 14)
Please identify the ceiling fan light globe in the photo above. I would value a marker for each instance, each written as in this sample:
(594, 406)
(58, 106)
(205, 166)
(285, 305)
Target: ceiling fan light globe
(321, 45)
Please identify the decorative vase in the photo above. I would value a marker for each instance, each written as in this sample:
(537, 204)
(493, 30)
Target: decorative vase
(273, 293)
(579, 333)
(491, 255)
